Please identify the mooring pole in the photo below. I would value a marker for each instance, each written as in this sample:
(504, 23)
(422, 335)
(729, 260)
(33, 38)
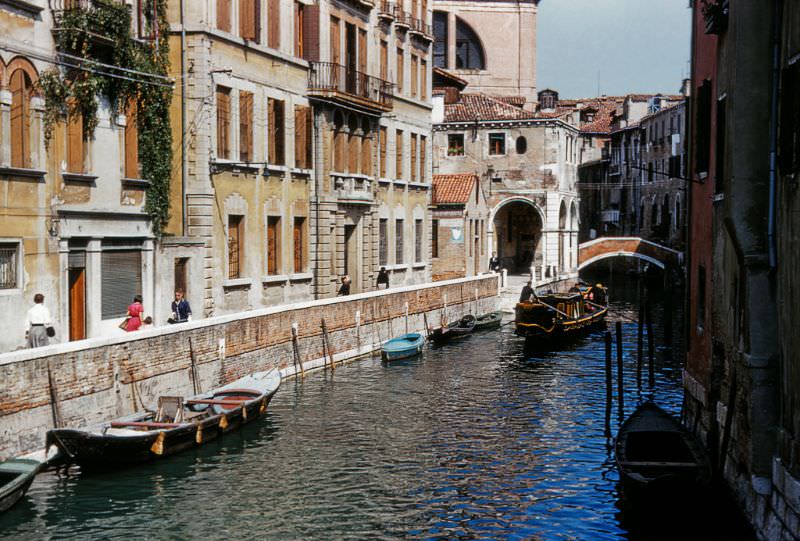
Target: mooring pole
(405, 309)
(54, 409)
(640, 344)
(651, 374)
(608, 383)
(327, 343)
(620, 387)
(296, 350)
(193, 368)
(668, 315)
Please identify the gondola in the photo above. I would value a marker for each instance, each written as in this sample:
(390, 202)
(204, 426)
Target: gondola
(561, 315)
(402, 347)
(656, 455)
(460, 328)
(16, 476)
(176, 425)
(492, 320)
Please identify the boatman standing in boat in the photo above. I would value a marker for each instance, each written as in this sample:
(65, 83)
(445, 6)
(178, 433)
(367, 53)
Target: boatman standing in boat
(527, 293)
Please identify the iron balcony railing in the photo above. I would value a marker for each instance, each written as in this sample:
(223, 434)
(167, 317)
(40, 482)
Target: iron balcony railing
(402, 18)
(63, 7)
(387, 9)
(419, 26)
(327, 77)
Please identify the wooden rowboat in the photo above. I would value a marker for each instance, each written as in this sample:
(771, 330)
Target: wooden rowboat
(462, 327)
(492, 320)
(656, 454)
(16, 476)
(176, 425)
(402, 347)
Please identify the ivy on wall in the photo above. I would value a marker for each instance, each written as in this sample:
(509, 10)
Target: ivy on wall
(100, 32)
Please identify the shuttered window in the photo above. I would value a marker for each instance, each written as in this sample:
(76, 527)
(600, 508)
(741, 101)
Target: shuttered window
(336, 39)
(418, 232)
(384, 60)
(223, 122)
(299, 248)
(383, 242)
(20, 119)
(352, 151)
(398, 241)
(76, 144)
(235, 245)
(245, 126)
(400, 71)
(423, 142)
(121, 277)
(310, 29)
(274, 24)
(302, 137)
(338, 150)
(366, 153)
(382, 157)
(224, 15)
(132, 163)
(414, 76)
(299, 24)
(423, 85)
(435, 238)
(273, 245)
(248, 19)
(362, 51)
(413, 157)
(276, 130)
(398, 150)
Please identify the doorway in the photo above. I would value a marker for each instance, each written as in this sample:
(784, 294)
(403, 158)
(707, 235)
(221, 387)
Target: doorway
(350, 57)
(351, 256)
(77, 303)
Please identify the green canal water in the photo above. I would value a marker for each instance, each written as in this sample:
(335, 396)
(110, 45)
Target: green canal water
(475, 440)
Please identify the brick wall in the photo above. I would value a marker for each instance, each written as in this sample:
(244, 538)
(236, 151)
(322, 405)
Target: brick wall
(100, 379)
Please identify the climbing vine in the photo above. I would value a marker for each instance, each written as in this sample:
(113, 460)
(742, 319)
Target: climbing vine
(97, 36)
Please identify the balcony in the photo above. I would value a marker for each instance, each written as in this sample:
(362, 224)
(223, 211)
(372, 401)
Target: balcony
(420, 28)
(69, 15)
(351, 188)
(386, 11)
(340, 83)
(402, 19)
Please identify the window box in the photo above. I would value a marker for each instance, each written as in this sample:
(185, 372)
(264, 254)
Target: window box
(79, 178)
(135, 183)
(37, 174)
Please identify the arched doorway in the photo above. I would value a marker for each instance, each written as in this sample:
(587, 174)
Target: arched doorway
(517, 235)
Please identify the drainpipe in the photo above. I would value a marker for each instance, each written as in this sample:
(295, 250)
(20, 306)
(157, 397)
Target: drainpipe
(184, 162)
(773, 136)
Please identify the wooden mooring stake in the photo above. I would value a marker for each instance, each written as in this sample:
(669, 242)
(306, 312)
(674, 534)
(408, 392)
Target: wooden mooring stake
(608, 383)
(651, 374)
(326, 346)
(620, 386)
(54, 409)
(296, 350)
(193, 368)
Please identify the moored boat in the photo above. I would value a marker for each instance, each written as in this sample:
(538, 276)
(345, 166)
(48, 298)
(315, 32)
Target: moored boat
(657, 455)
(560, 315)
(492, 320)
(176, 425)
(462, 327)
(402, 347)
(16, 476)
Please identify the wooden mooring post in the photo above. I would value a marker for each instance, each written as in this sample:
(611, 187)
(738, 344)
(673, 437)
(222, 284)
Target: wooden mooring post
(608, 382)
(326, 346)
(620, 386)
(296, 350)
(651, 374)
(640, 345)
(54, 409)
(193, 368)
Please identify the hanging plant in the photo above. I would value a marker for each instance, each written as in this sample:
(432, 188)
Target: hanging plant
(101, 33)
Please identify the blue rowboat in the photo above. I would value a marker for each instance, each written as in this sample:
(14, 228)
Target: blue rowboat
(402, 347)
(16, 475)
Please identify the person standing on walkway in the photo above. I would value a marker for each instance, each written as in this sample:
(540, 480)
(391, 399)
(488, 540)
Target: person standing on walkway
(383, 279)
(181, 311)
(135, 311)
(494, 263)
(344, 289)
(37, 321)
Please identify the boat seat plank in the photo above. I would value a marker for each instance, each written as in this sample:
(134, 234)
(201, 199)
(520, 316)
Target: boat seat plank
(143, 424)
(225, 402)
(239, 391)
(648, 464)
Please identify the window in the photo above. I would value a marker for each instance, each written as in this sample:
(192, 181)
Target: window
(245, 126)
(303, 130)
(414, 76)
(384, 60)
(497, 144)
(383, 242)
(469, 52)
(76, 143)
(455, 144)
(146, 19)
(223, 122)
(121, 276)
(435, 238)
(418, 232)
(273, 245)
(440, 39)
(276, 130)
(382, 156)
(414, 157)
(423, 141)
(719, 166)
(224, 15)
(235, 245)
(299, 21)
(274, 23)
(336, 40)
(299, 248)
(21, 119)
(398, 241)
(703, 139)
(9, 260)
(400, 71)
(248, 19)
(423, 85)
(366, 148)
(353, 145)
(133, 167)
(338, 142)
(522, 145)
(398, 150)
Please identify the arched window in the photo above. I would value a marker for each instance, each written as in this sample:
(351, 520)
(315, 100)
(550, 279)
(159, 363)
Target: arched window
(469, 51)
(338, 142)
(366, 148)
(20, 119)
(440, 39)
(522, 145)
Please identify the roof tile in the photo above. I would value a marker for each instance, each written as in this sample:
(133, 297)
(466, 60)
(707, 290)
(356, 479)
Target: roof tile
(453, 189)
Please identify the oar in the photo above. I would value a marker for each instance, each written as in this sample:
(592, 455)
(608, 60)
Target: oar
(554, 308)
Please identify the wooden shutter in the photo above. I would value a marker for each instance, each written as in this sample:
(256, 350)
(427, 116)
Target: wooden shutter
(398, 241)
(223, 122)
(309, 148)
(271, 131)
(299, 28)
(352, 152)
(224, 15)
(300, 140)
(20, 120)
(413, 157)
(274, 24)
(423, 72)
(414, 76)
(245, 126)
(382, 158)
(400, 68)
(383, 242)
(336, 41)
(75, 146)
(423, 141)
(366, 155)
(280, 133)
(384, 60)
(298, 244)
(132, 169)
(362, 51)
(248, 19)
(398, 146)
(273, 224)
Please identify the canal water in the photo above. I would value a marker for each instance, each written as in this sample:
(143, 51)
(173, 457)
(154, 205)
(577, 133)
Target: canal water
(479, 439)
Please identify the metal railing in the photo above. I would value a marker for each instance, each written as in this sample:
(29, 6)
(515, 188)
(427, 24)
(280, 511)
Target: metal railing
(387, 9)
(327, 76)
(61, 7)
(402, 18)
(419, 26)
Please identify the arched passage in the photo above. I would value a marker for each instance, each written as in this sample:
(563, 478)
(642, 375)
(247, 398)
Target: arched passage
(517, 235)
(636, 255)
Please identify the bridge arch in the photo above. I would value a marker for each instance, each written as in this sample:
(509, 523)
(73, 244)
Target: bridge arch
(600, 257)
(515, 231)
(607, 247)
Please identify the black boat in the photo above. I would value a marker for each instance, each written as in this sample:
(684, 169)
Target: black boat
(16, 476)
(657, 455)
(560, 315)
(175, 426)
(462, 327)
(492, 320)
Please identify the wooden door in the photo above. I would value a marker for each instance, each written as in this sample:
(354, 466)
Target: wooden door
(351, 57)
(77, 304)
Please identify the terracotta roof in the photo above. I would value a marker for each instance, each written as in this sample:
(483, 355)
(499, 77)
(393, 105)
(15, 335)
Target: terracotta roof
(453, 189)
(445, 78)
(517, 101)
(481, 107)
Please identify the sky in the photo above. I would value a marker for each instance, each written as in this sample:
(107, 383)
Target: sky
(620, 46)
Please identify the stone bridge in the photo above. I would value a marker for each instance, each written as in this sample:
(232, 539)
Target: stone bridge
(605, 247)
